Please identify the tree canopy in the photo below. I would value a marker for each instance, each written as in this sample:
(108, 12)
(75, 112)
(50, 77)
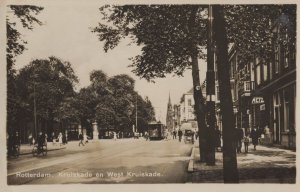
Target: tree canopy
(162, 32)
(51, 83)
(26, 15)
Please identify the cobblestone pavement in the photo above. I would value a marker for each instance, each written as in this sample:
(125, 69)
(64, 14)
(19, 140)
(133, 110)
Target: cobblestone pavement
(265, 165)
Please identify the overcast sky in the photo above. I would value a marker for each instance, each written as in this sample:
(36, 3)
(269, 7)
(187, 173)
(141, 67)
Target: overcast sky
(66, 35)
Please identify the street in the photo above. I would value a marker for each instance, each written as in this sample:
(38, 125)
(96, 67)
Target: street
(105, 161)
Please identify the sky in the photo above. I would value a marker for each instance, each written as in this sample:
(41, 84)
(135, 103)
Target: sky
(66, 34)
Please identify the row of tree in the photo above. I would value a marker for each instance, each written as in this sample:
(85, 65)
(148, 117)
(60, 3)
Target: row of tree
(173, 38)
(45, 87)
(43, 92)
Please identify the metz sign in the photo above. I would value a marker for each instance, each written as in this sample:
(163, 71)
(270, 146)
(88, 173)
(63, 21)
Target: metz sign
(258, 100)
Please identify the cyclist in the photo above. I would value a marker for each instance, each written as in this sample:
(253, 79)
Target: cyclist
(41, 141)
(15, 144)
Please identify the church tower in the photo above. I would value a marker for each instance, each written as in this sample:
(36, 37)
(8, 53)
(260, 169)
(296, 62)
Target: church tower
(169, 119)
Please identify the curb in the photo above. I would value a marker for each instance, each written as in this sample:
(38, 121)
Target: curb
(191, 162)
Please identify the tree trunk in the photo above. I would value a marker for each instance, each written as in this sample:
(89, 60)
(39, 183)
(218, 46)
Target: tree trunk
(230, 170)
(198, 96)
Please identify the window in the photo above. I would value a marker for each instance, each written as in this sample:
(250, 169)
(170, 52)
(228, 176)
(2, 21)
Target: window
(265, 71)
(271, 70)
(247, 86)
(286, 50)
(232, 66)
(189, 102)
(276, 67)
(218, 93)
(258, 79)
(286, 109)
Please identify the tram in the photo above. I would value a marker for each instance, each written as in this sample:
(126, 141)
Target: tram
(156, 131)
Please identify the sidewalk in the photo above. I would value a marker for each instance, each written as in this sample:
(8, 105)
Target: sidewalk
(265, 165)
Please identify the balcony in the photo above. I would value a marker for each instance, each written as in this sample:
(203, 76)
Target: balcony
(245, 87)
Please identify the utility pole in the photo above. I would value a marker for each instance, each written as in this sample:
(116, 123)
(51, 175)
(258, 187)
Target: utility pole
(34, 111)
(136, 122)
(210, 92)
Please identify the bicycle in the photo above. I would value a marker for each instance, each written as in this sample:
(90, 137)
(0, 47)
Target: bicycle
(39, 150)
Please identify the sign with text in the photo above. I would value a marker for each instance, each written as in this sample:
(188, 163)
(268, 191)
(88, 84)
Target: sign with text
(258, 100)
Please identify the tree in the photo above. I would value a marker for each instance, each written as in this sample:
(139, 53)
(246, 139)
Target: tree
(15, 46)
(226, 106)
(111, 102)
(50, 82)
(86, 102)
(170, 36)
(122, 87)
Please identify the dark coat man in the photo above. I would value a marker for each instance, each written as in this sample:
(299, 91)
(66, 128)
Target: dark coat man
(179, 134)
(239, 136)
(254, 136)
(217, 138)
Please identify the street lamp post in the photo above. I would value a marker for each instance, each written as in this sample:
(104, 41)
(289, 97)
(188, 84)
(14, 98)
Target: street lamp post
(34, 110)
(210, 92)
(136, 122)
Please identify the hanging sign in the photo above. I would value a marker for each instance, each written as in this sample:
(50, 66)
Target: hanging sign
(262, 107)
(258, 100)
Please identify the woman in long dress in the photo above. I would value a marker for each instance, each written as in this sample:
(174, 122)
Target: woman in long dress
(60, 139)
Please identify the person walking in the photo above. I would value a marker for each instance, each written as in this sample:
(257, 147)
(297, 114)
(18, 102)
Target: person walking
(60, 138)
(80, 139)
(217, 137)
(180, 135)
(239, 136)
(30, 139)
(146, 135)
(53, 138)
(46, 138)
(85, 138)
(255, 136)
(246, 142)
(115, 136)
(64, 140)
(174, 134)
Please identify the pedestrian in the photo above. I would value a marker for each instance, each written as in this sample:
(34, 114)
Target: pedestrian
(115, 136)
(53, 138)
(174, 134)
(246, 142)
(60, 138)
(46, 138)
(255, 136)
(80, 139)
(239, 136)
(146, 135)
(30, 139)
(217, 137)
(197, 135)
(85, 138)
(64, 140)
(179, 134)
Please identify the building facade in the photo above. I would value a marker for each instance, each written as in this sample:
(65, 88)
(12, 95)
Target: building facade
(187, 106)
(275, 83)
(264, 88)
